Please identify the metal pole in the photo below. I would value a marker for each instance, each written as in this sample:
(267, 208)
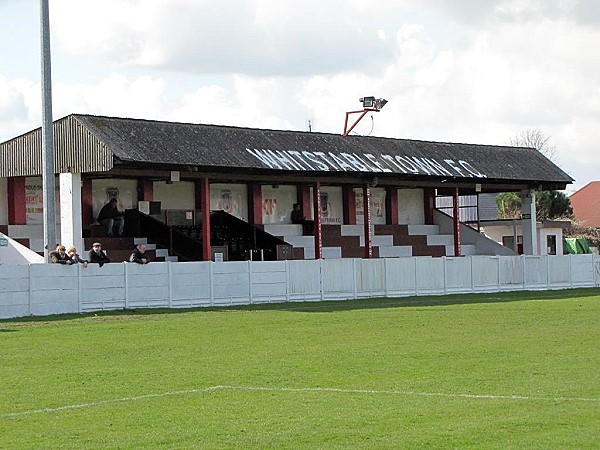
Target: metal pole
(47, 137)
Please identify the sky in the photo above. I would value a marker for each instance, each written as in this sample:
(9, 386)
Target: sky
(473, 71)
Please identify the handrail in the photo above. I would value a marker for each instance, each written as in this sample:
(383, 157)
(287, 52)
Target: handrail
(185, 241)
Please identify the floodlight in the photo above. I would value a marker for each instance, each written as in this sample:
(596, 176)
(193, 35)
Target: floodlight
(379, 103)
(367, 102)
(370, 104)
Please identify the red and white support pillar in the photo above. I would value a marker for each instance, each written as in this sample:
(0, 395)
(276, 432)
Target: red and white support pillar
(367, 220)
(205, 208)
(317, 218)
(456, 219)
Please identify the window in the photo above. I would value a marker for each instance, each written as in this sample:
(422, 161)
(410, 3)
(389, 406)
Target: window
(509, 241)
(551, 244)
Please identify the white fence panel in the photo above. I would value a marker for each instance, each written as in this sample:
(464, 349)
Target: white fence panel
(583, 270)
(269, 282)
(430, 275)
(536, 272)
(400, 276)
(486, 273)
(338, 278)
(510, 273)
(54, 289)
(231, 283)
(559, 271)
(458, 275)
(370, 278)
(42, 289)
(102, 288)
(14, 291)
(147, 285)
(304, 280)
(190, 284)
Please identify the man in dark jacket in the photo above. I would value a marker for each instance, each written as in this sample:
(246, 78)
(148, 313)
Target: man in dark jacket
(97, 256)
(110, 216)
(138, 255)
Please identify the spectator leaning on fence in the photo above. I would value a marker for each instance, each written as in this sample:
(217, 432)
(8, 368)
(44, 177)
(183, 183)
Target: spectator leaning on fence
(97, 256)
(72, 252)
(138, 255)
(59, 256)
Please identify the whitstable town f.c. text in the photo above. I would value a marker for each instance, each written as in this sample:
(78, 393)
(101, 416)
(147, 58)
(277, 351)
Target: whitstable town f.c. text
(366, 162)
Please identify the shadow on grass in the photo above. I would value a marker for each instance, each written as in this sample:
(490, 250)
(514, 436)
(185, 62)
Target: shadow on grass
(328, 305)
(420, 301)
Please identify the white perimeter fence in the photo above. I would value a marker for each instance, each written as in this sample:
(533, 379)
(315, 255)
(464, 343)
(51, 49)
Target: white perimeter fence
(44, 289)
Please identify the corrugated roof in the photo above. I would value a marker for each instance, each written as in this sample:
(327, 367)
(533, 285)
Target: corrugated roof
(137, 142)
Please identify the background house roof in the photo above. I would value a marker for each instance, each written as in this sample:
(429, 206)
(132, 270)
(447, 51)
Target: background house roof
(586, 204)
(135, 143)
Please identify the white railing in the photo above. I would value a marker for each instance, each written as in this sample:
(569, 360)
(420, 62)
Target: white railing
(43, 289)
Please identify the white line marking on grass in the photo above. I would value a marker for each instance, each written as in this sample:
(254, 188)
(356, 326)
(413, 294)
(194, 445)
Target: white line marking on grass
(317, 389)
(109, 401)
(415, 393)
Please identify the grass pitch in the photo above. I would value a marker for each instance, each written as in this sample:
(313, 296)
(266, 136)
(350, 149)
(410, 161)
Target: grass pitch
(512, 370)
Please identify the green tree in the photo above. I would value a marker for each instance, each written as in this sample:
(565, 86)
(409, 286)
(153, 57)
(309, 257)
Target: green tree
(509, 205)
(552, 205)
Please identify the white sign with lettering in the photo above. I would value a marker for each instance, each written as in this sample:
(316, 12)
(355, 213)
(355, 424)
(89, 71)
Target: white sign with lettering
(365, 162)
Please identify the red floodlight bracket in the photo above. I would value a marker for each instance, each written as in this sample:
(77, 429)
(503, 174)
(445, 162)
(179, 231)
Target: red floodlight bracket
(362, 113)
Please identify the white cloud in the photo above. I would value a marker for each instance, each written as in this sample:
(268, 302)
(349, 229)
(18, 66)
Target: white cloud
(473, 71)
(263, 37)
(114, 95)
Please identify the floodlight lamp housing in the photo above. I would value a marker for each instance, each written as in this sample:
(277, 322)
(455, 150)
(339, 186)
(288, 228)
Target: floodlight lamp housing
(368, 102)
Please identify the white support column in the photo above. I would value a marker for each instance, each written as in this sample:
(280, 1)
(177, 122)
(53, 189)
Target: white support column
(529, 223)
(70, 210)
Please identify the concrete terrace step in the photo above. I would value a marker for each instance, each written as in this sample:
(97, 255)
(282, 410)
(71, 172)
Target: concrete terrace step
(465, 249)
(423, 229)
(393, 241)
(440, 239)
(353, 230)
(283, 229)
(300, 241)
(395, 252)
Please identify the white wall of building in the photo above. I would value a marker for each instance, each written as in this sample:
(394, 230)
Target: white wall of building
(411, 209)
(125, 191)
(543, 234)
(497, 232)
(377, 206)
(176, 195)
(34, 205)
(332, 205)
(231, 198)
(277, 203)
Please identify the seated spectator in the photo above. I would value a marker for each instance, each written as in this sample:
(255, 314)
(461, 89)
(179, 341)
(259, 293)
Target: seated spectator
(97, 256)
(297, 217)
(110, 217)
(72, 252)
(138, 255)
(59, 256)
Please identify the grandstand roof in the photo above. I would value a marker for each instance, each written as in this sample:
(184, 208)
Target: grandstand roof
(87, 143)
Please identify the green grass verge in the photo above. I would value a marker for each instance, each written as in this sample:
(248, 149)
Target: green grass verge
(511, 370)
